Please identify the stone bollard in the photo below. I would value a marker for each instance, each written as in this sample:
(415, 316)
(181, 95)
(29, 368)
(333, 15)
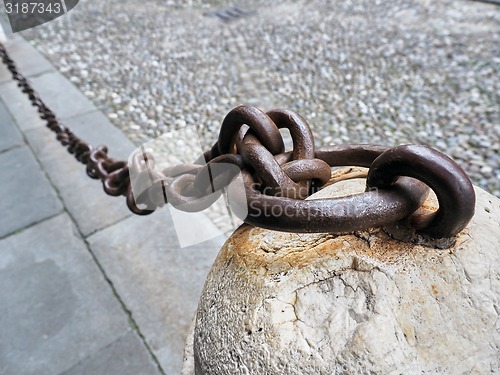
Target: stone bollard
(362, 303)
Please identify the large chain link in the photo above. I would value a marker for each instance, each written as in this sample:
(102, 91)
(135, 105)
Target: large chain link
(276, 182)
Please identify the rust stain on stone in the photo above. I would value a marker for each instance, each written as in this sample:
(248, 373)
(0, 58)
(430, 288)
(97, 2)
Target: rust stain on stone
(261, 251)
(254, 251)
(434, 290)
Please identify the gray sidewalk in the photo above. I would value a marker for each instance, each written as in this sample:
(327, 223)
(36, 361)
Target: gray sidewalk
(86, 287)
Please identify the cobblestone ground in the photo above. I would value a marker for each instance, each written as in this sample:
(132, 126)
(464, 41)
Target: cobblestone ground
(387, 72)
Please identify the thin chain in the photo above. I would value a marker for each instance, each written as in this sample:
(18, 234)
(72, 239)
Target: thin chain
(114, 174)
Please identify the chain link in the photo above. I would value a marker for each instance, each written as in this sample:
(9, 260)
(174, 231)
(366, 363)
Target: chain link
(276, 182)
(113, 174)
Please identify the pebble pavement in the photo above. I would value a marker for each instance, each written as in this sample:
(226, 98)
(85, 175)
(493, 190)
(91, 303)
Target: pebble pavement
(360, 71)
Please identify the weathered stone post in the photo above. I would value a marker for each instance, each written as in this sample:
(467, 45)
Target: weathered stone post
(362, 303)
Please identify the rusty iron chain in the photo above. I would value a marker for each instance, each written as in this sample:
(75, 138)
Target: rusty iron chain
(114, 174)
(276, 182)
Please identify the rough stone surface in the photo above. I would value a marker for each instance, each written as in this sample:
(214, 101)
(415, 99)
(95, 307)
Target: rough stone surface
(278, 303)
(188, 358)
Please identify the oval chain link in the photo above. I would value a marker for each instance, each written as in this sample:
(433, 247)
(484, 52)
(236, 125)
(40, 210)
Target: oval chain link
(276, 182)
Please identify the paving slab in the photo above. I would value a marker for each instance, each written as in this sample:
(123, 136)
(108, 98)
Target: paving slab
(60, 95)
(83, 197)
(10, 134)
(25, 115)
(5, 75)
(156, 280)
(29, 61)
(57, 308)
(27, 196)
(95, 129)
(126, 356)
